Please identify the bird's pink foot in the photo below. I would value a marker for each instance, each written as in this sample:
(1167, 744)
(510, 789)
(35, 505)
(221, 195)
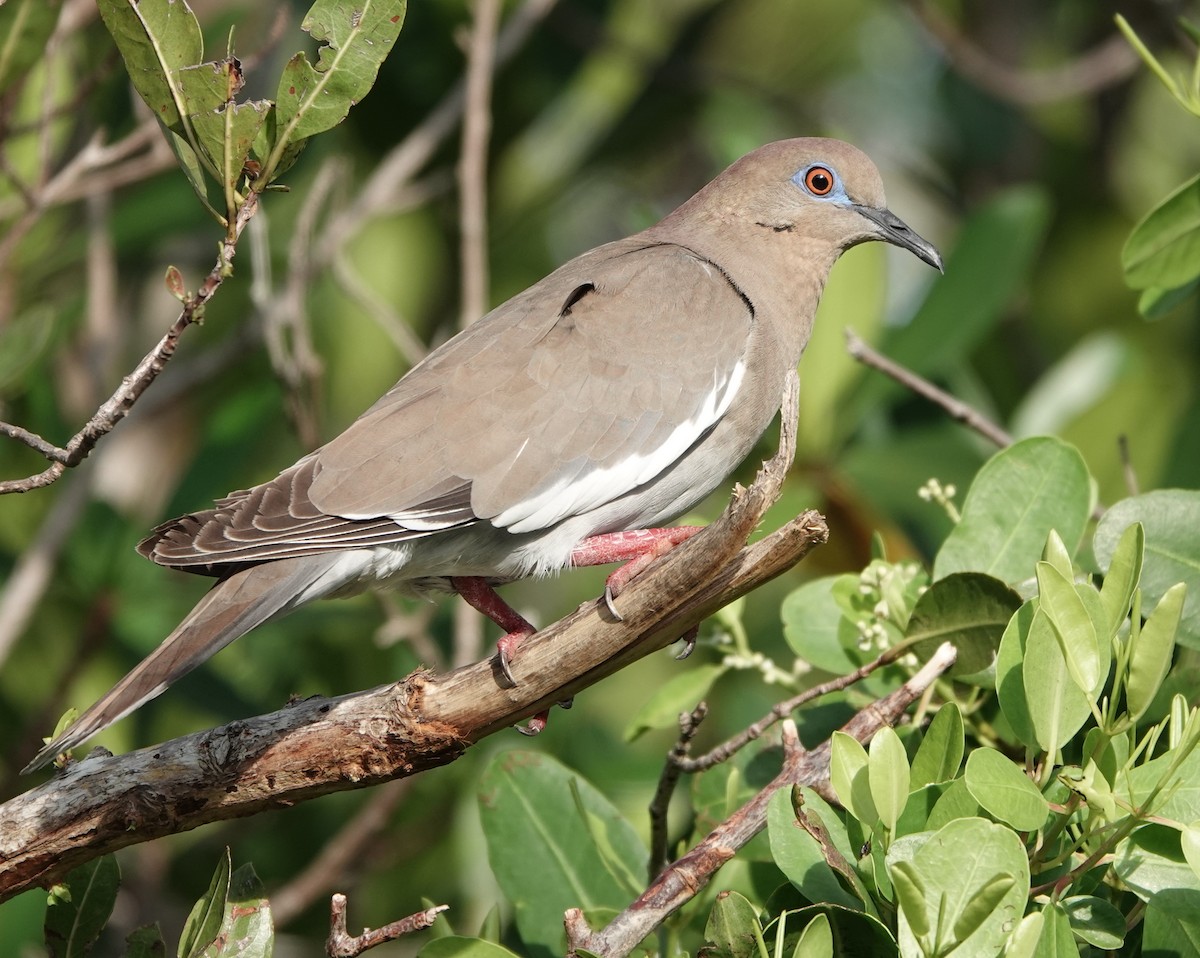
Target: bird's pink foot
(483, 598)
(637, 548)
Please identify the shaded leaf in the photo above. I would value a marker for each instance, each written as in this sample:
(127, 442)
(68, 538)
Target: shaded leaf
(1170, 518)
(680, 693)
(542, 853)
(25, 26)
(968, 609)
(74, 920)
(733, 926)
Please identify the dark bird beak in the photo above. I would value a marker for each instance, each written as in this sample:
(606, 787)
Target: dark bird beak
(894, 230)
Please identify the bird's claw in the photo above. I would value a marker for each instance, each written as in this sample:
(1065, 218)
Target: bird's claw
(609, 595)
(689, 642)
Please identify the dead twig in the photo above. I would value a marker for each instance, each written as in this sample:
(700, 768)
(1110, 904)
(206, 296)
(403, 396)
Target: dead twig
(117, 406)
(341, 944)
(955, 408)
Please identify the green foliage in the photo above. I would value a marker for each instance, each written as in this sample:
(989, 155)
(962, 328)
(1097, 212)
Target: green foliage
(231, 920)
(1040, 800)
(247, 146)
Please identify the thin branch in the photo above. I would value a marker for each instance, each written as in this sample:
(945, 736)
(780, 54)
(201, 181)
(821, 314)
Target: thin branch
(473, 231)
(687, 876)
(473, 161)
(955, 408)
(341, 944)
(689, 725)
(731, 746)
(132, 386)
(319, 746)
(1106, 64)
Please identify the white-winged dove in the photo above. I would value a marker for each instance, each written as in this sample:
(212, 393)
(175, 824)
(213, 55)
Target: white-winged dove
(558, 430)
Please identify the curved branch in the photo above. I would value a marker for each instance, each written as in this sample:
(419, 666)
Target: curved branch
(323, 745)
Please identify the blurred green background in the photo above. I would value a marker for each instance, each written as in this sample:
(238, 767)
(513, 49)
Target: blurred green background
(1024, 139)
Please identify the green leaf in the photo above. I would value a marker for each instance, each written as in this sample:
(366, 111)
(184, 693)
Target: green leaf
(888, 776)
(816, 941)
(941, 750)
(981, 905)
(1073, 628)
(1024, 940)
(246, 928)
(1057, 706)
(680, 693)
(815, 628)
(1164, 248)
(1056, 940)
(1189, 841)
(733, 926)
(1157, 301)
(145, 942)
(1004, 790)
(1055, 552)
(1172, 925)
(457, 946)
(969, 610)
(355, 39)
(962, 866)
(1153, 649)
(156, 39)
(542, 853)
(1018, 496)
(1150, 862)
(204, 922)
(850, 778)
(25, 26)
(800, 856)
(955, 803)
(74, 921)
(1010, 675)
(1095, 921)
(910, 896)
(1122, 576)
(1170, 518)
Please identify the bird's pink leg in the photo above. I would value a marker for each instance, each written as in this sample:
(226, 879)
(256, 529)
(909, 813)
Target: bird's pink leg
(484, 598)
(637, 548)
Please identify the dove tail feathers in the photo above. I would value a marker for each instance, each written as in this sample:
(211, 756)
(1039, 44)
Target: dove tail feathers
(233, 607)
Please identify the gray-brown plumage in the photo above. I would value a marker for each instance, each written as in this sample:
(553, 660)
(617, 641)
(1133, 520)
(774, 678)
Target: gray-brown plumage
(615, 394)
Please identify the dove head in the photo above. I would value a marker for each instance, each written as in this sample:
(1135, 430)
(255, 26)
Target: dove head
(825, 193)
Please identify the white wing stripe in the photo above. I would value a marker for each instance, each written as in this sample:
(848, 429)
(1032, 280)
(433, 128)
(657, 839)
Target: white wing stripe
(578, 494)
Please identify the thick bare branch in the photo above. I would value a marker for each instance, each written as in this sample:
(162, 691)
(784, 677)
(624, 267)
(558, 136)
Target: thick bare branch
(324, 745)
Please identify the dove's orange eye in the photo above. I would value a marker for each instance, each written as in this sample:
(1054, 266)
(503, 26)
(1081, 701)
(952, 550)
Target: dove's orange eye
(819, 181)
